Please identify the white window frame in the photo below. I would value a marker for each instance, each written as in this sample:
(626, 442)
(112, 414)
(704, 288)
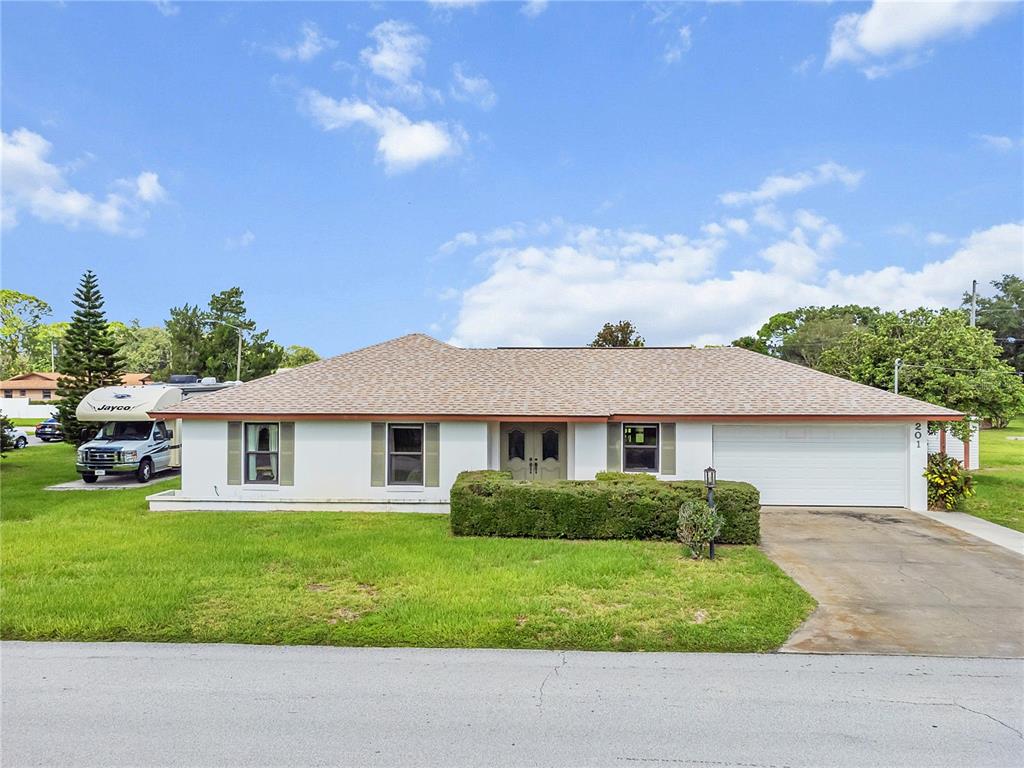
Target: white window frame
(423, 455)
(657, 448)
(245, 456)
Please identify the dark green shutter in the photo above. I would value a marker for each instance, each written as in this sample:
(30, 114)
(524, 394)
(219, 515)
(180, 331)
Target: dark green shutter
(286, 470)
(378, 453)
(614, 446)
(668, 447)
(432, 454)
(234, 453)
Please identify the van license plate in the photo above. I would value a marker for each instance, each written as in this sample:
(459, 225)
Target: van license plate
(100, 472)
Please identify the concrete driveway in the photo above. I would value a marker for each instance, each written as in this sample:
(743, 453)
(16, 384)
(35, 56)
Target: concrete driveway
(892, 581)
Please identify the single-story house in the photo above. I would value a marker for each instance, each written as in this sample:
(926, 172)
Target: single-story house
(390, 426)
(42, 385)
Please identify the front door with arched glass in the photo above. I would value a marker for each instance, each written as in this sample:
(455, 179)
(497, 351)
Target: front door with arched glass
(534, 451)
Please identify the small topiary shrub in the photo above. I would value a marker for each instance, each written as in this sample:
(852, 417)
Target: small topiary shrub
(615, 506)
(698, 526)
(948, 483)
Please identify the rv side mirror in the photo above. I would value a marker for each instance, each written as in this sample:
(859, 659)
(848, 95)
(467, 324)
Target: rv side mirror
(83, 435)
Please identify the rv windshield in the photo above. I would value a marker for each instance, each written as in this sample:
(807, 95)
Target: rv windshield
(125, 430)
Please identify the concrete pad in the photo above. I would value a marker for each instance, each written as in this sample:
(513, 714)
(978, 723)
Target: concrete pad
(111, 482)
(892, 581)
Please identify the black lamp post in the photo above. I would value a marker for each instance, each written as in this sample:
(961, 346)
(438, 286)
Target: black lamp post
(709, 483)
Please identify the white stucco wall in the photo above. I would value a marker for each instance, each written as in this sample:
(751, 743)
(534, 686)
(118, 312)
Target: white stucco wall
(694, 451)
(917, 462)
(332, 462)
(590, 450)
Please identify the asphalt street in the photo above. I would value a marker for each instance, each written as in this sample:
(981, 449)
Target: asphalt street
(227, 705)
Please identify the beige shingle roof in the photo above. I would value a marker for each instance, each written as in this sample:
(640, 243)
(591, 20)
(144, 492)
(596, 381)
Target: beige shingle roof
(416, 375)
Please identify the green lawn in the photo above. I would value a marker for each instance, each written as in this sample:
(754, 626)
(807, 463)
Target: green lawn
(1000, 481)
(95, 565)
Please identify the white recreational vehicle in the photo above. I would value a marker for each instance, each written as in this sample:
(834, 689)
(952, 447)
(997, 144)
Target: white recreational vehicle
(129, 441)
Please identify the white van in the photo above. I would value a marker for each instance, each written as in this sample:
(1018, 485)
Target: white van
(129, 441)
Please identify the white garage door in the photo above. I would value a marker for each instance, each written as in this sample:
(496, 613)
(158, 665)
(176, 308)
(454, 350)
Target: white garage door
(841, 465)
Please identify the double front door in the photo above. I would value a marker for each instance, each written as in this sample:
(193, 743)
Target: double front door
(534, 451)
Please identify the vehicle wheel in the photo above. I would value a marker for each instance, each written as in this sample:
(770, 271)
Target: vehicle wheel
(145, 472)
(21, 442)
(89, 477)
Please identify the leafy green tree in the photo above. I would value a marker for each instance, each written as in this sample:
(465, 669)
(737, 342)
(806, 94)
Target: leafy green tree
(803, 334)
(944, 361)
(620, 334)
(6, 439)
(142, 349)
(20, 317)
(205, 341)
(186, 332)
(297, 355)
(89, 356)
(260, 355)
(46, 339)
(1003, 314)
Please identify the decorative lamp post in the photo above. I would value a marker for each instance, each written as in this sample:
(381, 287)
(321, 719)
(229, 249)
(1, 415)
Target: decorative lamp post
(709, 483)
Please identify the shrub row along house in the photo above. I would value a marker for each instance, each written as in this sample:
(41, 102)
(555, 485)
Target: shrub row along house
(389, 427)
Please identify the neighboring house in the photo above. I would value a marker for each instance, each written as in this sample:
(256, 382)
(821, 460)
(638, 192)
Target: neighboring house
(42, 385)
(36, 385)
(391, 426)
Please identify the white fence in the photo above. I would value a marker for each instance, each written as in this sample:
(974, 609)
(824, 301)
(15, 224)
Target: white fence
(19, 408)
(955, 448)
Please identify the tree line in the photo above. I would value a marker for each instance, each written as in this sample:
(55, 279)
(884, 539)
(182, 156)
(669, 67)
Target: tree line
(944, 360)
(193, 340)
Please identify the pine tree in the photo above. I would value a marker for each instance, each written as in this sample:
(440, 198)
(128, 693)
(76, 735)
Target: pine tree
(88, 356)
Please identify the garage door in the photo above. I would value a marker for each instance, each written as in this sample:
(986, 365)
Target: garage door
(841, 465)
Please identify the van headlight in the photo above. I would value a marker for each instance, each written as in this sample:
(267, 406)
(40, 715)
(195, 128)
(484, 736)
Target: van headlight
(129, 455)
(81, 456)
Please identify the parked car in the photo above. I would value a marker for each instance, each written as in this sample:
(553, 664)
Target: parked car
(17, 436)
(49, 430)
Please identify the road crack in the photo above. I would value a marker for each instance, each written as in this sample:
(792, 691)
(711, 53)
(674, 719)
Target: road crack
(552, 671)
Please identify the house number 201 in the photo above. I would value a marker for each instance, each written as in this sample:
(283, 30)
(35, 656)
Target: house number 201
(917, 433)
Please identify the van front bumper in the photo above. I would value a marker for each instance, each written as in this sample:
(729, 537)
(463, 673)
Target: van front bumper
(111, 469)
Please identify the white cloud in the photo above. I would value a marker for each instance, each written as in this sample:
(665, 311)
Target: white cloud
(398, 57)
(243, 240)
(312, 43)
(475, 89)
(890, 34)
(937, 238)
(999, 143)
(769, 216)
(533, 8)
(167, 8)
(453, 4)
(774, 187)
(148, 188)
(676, 48)
(32, 184)
(739, 226)
(586, 276)
(402, 143)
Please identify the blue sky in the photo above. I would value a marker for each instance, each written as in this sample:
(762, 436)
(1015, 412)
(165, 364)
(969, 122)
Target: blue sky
(510, 173)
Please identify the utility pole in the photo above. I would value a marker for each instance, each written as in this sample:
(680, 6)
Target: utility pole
(974, 302)
(896, 376)
(53, 355)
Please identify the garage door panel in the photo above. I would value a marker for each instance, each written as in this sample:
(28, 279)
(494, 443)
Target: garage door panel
(816, 464)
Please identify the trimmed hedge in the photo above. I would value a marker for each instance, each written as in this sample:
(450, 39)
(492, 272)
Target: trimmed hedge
(616, 505)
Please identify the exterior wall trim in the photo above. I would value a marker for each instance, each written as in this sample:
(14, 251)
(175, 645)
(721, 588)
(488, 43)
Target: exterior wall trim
(645, 418)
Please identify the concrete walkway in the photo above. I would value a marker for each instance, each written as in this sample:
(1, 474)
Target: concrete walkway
(983, 529)
(207, 705)
(895, 581)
